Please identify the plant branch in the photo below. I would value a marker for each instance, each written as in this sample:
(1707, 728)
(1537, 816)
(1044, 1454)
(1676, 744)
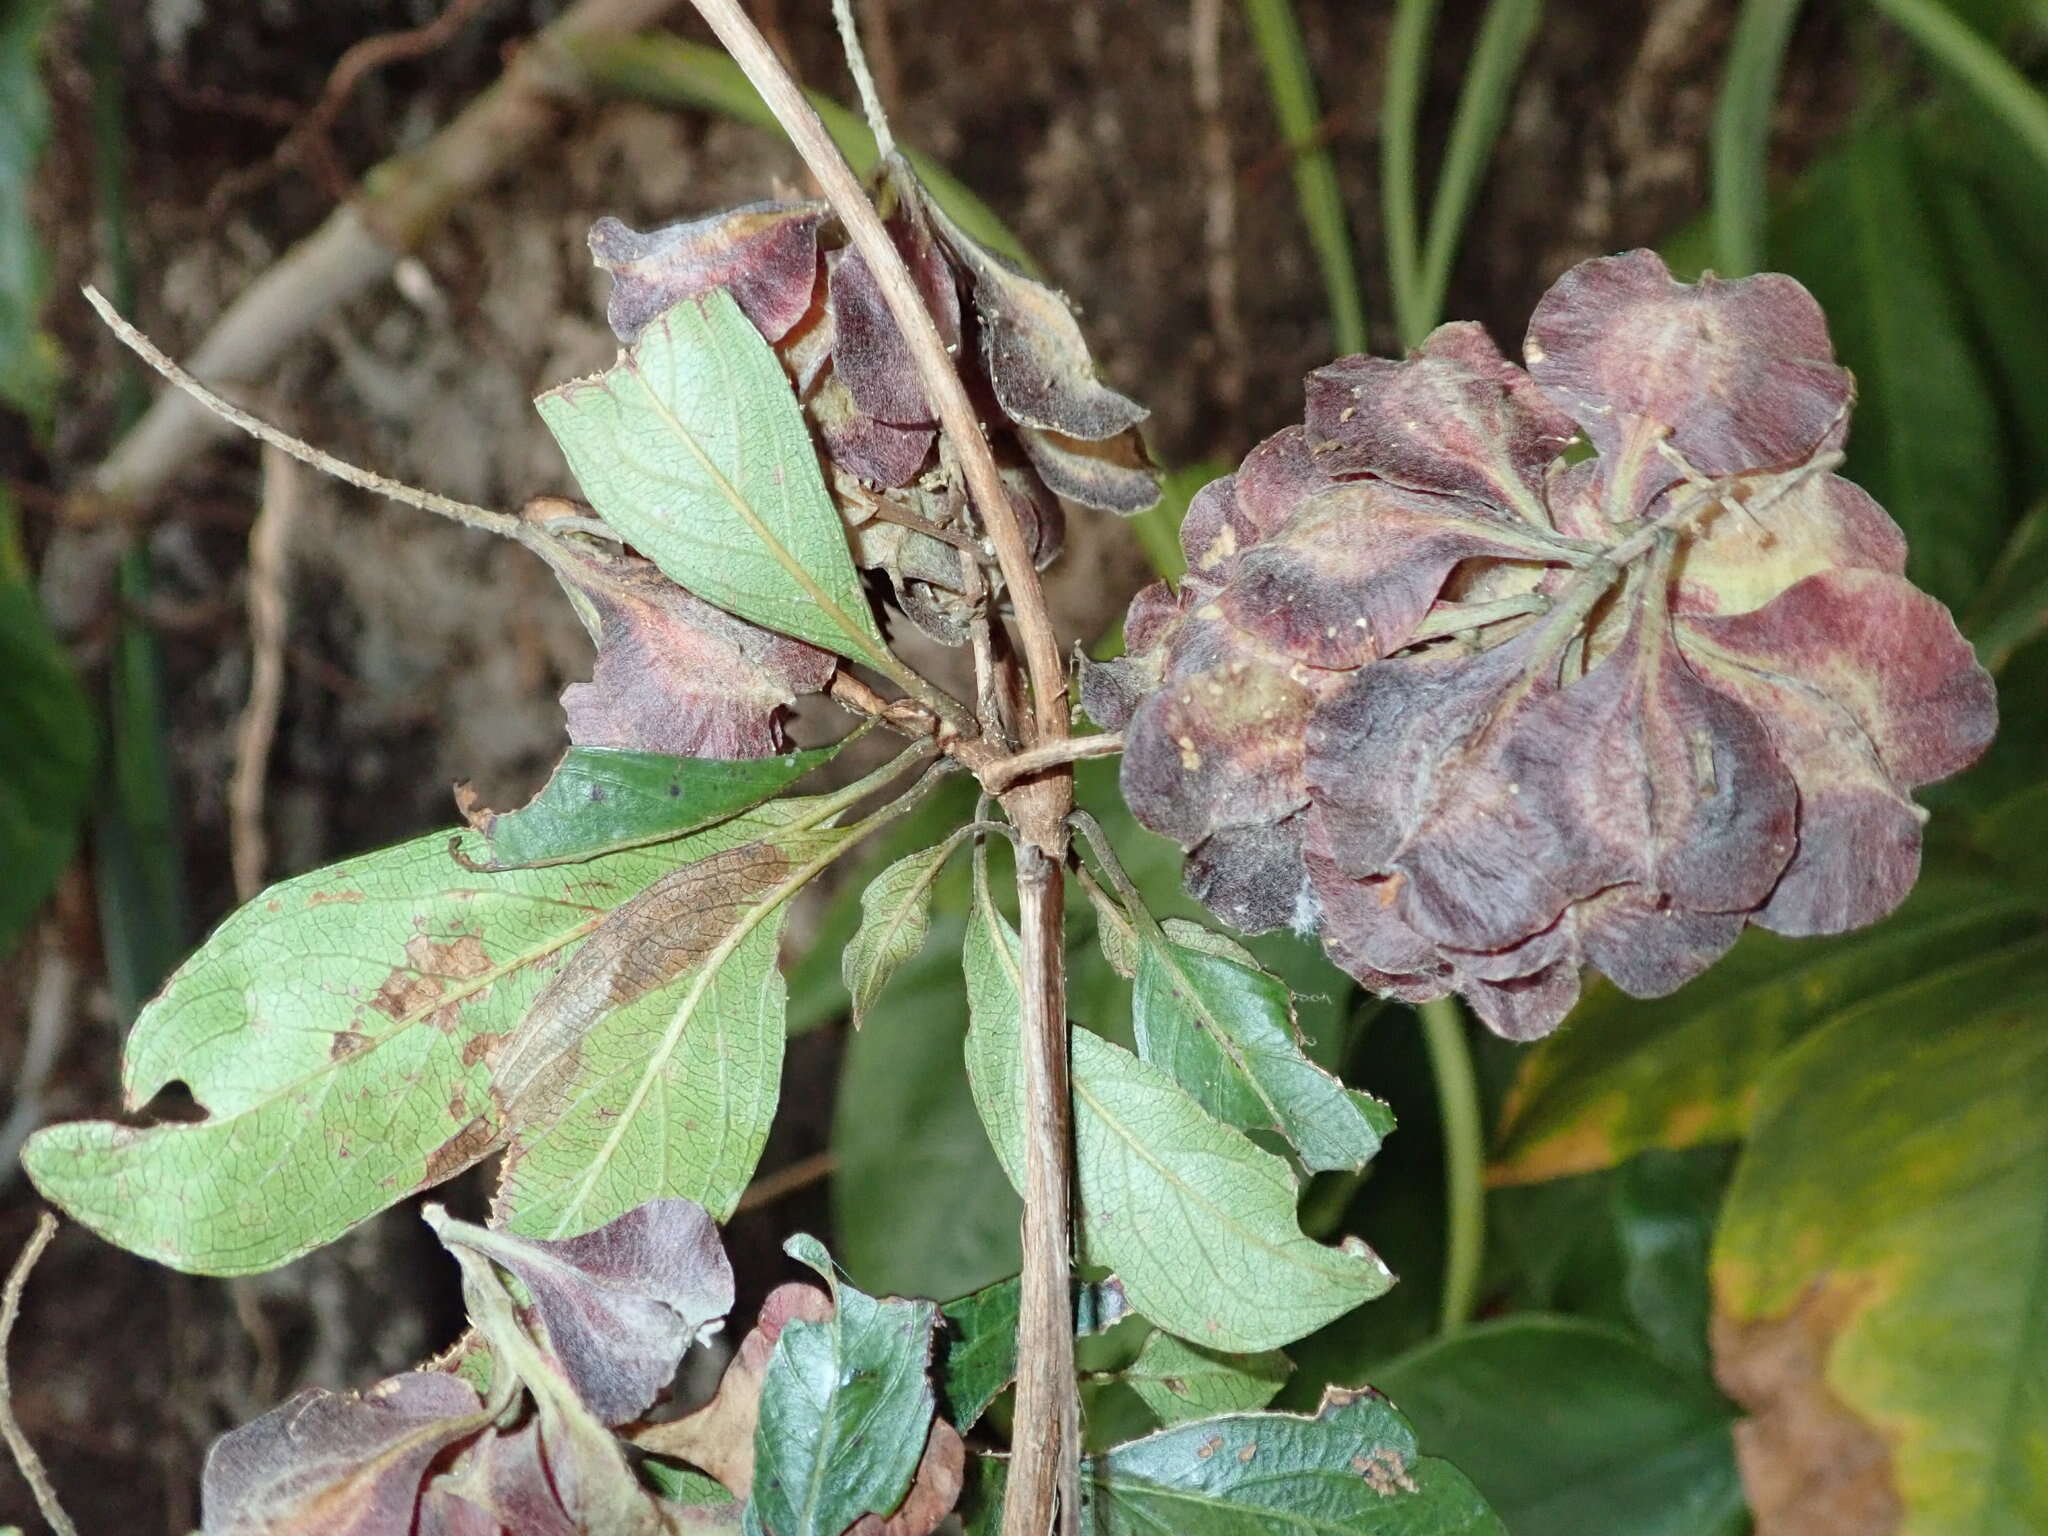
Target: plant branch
(25, 1456)
(1003, 772)
(504, 524)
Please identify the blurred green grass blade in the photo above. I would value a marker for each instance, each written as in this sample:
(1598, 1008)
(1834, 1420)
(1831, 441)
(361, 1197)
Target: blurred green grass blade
(672, 72)
(46, 783)
(1400, 106)
(1951, 43)
(137, 854)
(1740, 147)
(1856, 230)
(2012, 607)
(1496, 64)
(27, 358)
(1292, 88)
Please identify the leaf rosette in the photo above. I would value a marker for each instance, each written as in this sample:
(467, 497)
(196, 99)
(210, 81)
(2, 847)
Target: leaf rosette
(1485, 710)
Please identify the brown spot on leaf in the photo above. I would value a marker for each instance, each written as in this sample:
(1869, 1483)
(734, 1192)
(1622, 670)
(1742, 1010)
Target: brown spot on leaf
(1209, 1447)
(346, 1043)
(465, 1147)
(346, 896)
(1385, 1473)
(1810, 1465)
(412, 989)
(477, 1047)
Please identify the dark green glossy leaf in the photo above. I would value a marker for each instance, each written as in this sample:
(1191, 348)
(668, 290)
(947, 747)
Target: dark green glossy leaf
(601, 799)
(845, 1407)
(978, 1349)
(1571, 1427)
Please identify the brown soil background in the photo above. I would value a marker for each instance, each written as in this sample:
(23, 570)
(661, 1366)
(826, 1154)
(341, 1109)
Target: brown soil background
(421, 654)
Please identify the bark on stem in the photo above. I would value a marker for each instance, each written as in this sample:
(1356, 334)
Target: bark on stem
(1043, 1450)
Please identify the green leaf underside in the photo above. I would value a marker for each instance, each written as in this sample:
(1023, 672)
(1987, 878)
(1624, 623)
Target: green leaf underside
(1674, 1072)
(1891, 1193)
(1353, 1468)
(1180, 1381)
(845, 1407)
(896, 917)
(603, 799)
(1197, 1222)
(1225, 1032)
(672, 1092)
(1570, 1427)
(337, 1030)
(978, 1349)
(693, 446)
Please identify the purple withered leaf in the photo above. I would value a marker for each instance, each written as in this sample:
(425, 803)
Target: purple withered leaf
(869, 352)
(1354, 571)
(1113, 475)
(1527, 1008)
(1456, 417)
(673, 673)
(1252, 877)
(1648, 950)
(875, 450)
(501, 1481)
(336, 1464)
(617, 1307)
(1740, 374)
(765, 253)
(1032, 348)
(1215, 748)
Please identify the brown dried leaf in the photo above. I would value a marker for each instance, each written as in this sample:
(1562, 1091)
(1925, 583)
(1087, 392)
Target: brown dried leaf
(936, 1489)
(765, 253)
(719, 1437)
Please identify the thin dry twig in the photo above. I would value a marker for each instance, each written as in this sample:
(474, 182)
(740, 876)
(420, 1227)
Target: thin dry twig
(1004, 772)
(504, 524)
(24, 1454)
(801, 1174)
(269, 541)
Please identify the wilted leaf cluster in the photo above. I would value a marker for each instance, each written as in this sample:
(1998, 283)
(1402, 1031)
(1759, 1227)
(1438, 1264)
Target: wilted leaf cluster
(1483, 708)
(524, 1429)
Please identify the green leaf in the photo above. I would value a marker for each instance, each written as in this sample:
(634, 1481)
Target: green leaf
(1682, 1070)
(653, 1063)
(1926, 442)
(602, 799)
(692, 446)
(1197, 1222)
(335, 1030)
(896, 916)
(978, 1349)
(2012, 606)
(920, 1206)
(1181, 1381)
(27, 358)
(1741, 159)
(1882, 1260)
(1352, 1468)
(1571, 1427)
(1225, 1032)
(46, 779)
(845, 1407)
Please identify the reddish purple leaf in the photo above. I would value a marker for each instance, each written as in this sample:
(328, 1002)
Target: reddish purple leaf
(765, 253)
